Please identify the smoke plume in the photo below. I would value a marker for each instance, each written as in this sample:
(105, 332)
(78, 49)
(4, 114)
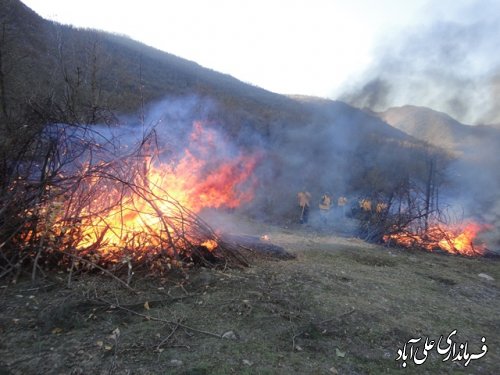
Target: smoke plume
(447, 62)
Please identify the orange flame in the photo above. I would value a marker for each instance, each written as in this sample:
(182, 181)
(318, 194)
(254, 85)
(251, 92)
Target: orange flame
(145, 211)
(453, 239)
(462, 241)
(211, 245)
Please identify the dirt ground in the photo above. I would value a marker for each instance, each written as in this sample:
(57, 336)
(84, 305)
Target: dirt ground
(341, 306)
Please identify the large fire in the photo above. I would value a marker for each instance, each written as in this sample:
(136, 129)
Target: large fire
(454, 239)
(140, 206)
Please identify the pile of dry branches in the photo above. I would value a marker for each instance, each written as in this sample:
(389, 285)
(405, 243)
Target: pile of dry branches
(68, 196)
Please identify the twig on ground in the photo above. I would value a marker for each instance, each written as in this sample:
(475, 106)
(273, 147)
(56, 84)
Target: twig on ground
(150, 317)
(101, 269)
(167, 338)
(157, 302)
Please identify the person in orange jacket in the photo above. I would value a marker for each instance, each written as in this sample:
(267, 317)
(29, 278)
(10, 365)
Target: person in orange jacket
(341, 202)
(304, 199)
(324, 207)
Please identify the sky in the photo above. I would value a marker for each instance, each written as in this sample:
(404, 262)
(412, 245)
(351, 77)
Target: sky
(290, 47)
(326, 48)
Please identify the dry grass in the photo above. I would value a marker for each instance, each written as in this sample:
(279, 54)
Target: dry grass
(340, 296)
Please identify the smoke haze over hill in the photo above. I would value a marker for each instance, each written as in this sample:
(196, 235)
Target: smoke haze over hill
(474, 174)
(446, 62)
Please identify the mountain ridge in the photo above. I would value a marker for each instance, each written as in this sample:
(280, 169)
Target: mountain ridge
(440, 129)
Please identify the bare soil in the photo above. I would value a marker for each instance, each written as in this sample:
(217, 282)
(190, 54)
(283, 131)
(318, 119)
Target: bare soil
(341, 306)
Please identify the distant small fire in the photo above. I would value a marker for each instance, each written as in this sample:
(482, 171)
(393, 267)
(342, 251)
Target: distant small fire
(454, 239)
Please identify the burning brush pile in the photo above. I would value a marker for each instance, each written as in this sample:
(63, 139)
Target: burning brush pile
(416, 226)
(78, 201)
(454, 239)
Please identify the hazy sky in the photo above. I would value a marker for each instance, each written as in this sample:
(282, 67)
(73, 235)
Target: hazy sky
(292, 47)
(321, 47)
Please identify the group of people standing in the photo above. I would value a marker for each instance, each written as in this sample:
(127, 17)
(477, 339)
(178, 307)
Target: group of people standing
(325, 204)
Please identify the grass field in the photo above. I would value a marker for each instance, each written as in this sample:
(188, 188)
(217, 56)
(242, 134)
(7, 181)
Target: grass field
(341, 307)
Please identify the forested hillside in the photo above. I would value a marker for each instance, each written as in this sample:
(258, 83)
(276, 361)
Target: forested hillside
(52, 73)
(92, 73)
